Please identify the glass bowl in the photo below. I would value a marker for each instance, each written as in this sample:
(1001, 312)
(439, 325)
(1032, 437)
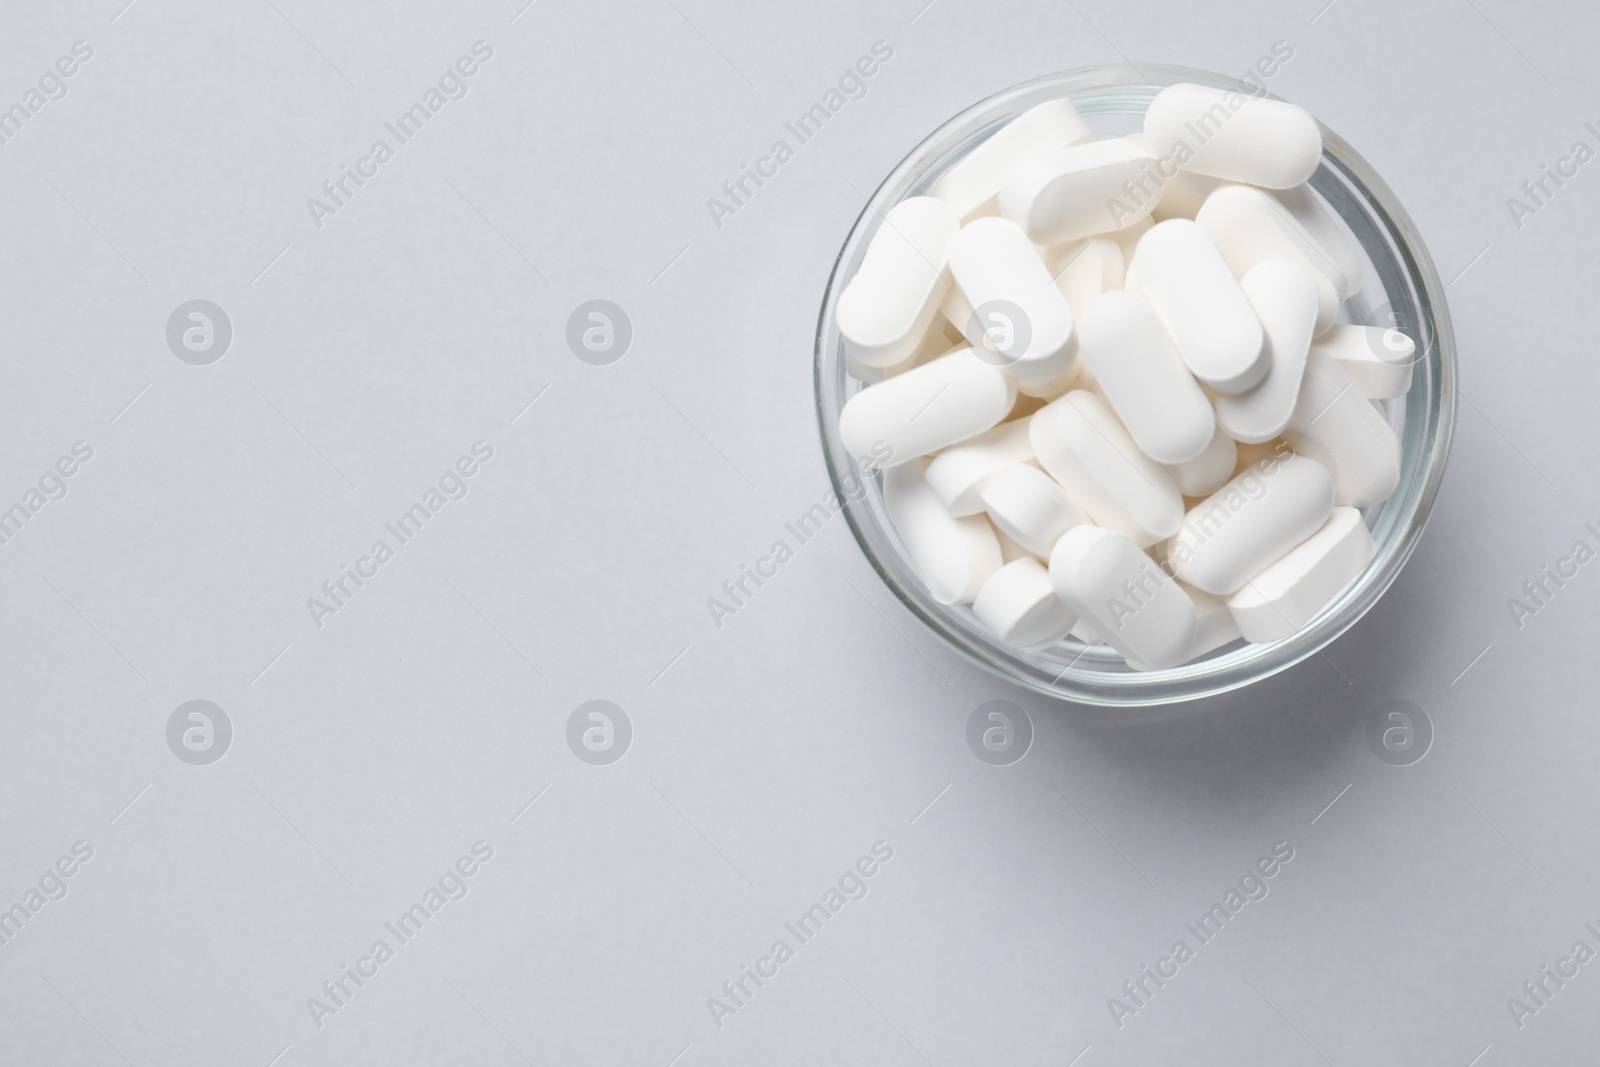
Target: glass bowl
(1401, 289)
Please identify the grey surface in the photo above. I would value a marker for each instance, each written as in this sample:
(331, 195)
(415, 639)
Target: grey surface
(769, 754)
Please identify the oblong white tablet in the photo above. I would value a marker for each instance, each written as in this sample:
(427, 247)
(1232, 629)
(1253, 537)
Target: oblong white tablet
(1284, 296)
(1184, 277)
(1146, 382)
(1030, 507)
(1083, 445)
(1070, 193)
(958, 474)
(940, 339)
(979, 174)
(926, 408)
(1019, 606)
(1230, 135)
(953, 557)
(1378, 359)
(1250, 523)
(1337, 426)
(1251, 226)
(1018, 319)
(1205, 473)
(887, 306)
(1141, 612)
(1287, 595)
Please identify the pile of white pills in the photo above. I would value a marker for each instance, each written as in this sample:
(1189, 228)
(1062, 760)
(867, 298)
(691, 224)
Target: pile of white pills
(1112, 384)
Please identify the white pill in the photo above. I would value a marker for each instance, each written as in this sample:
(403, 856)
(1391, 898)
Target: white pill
(1284, 296)
(1336, 426)
(1250, 523)
(1227, 134)
(1287, 595)
(1020, 607)
(1214, 626)
(1085, 271)
(1018, 317)
(953, 557)
(1141, 612)
(885, 310)
(958, 474)
(1055, 388)
(1030, 507)
(1184, 277)
(979, 174)
(1205, 473)
(1088, 633)
(941, 339)
(1082, 444)
(1146, 382)
(1251, 226)
(1377, 359)
(1317, 221)
(926, 408)
(1067, 194)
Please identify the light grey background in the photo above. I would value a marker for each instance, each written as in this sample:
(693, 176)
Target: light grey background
(769, 754)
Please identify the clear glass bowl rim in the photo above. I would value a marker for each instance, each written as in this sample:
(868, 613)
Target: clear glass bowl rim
(1429, 423)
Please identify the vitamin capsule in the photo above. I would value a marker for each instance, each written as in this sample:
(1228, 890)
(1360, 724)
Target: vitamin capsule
(1019, 605)
(886, 309)
(1225, 134)
(1377, 359)
(928, 407)
(953, 557)
(1251, 226)
(1019, 319)
(1139, 610)
(978, 175)
(1083, 445)
(1030, 507)
(1289, 594)
(1055, 388)
(1184, 277)
(1067, 194)
(1141, 374)
(1205, 474)
(1250, 523)
(959, 473)
(1284, 297)
(1337, 426)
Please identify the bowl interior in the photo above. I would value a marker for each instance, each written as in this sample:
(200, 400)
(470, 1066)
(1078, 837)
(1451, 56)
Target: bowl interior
(1401, 289)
